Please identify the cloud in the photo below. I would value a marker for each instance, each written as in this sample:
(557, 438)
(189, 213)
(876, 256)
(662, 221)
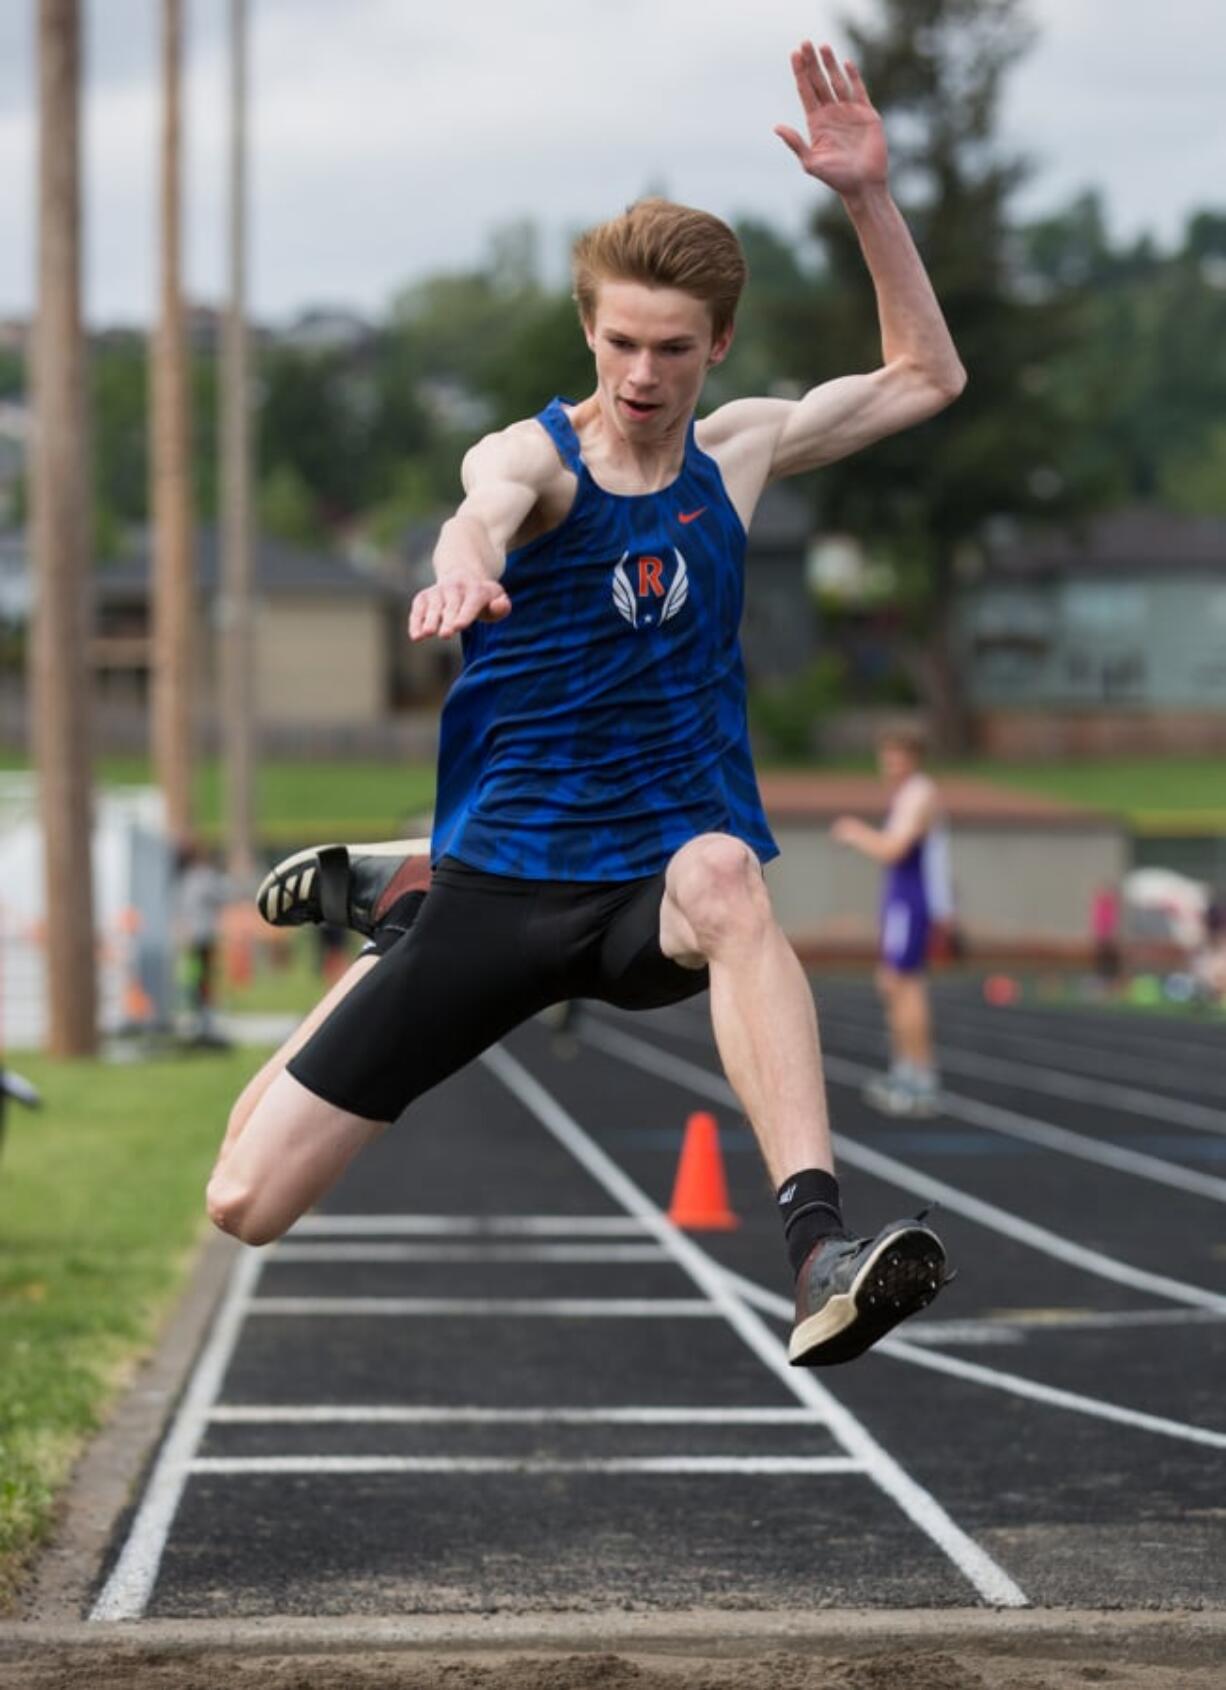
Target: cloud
(388, 138)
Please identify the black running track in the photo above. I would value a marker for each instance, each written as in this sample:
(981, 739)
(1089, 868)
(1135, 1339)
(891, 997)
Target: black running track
(418, 1403)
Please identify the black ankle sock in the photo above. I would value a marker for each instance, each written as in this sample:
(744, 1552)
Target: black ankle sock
(809, 1206)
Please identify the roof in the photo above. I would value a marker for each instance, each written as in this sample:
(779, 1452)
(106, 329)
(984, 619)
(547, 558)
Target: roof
(279, 568)
(1137, 541)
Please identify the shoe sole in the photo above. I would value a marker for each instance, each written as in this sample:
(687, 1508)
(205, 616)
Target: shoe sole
(916, 1109)
(899, 1278)
(302, 867)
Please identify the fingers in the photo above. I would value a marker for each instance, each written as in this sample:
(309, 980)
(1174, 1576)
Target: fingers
(810, 83)
(793, 140)
(858, 90)
(497, 608)
(821, 81)
(834, 75)
(453, 605)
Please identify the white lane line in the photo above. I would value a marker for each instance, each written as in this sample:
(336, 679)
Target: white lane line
(609, 1253)
(690, 1464)
(1149, 1105)
(1093, 1062)
(126, 1592)
(631, 1308)
(961, 1332)
(1010, 1327)
(901, 1349)
(257, 1414)
(653, 1060)
(984, 1574)
(468, 1226)
(1170, 1049)
(1155, 1169)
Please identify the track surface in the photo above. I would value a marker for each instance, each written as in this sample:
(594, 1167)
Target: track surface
(418, 1404)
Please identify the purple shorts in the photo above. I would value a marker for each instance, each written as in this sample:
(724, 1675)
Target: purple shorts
(904, 936)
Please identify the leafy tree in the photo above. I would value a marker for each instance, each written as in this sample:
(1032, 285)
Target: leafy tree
(339, 421)
(288, 508)
(1146, 374)
(12, 373)
(1195, 484)
(119, 402)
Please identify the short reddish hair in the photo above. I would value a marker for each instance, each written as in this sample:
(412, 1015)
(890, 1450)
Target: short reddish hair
(663, 245)
(900, 737)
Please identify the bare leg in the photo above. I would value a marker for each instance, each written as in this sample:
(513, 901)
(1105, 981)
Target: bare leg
(716, 909)
(284, 1147)
(255, 1088)
(911, 1020)
(887, 982)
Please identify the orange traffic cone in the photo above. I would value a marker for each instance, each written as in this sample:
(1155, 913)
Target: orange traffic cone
(700, 1195)
(138, 1006)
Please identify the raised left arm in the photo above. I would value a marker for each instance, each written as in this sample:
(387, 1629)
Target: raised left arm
(920, 372)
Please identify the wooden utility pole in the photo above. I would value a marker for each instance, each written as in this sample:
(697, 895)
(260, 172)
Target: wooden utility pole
(174, 594)
(238, 682)
(60, 674)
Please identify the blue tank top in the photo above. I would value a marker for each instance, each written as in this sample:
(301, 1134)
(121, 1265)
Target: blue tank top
(601, 725)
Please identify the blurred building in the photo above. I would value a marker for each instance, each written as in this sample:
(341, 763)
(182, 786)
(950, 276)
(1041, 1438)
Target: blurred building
(330, 673)
(1105, 641)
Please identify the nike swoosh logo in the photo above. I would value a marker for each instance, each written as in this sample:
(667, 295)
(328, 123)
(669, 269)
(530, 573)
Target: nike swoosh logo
(690, 516)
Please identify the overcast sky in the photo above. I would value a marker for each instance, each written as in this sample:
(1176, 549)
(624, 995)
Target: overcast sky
(389, 136)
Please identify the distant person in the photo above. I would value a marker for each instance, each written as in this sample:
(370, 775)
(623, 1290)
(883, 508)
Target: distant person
(599, 831)
(1105, 914)
(1209, 963)
(201, 893)
(912, 847)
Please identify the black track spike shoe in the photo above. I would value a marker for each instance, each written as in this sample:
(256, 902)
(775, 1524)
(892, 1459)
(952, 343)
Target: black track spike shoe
(851, 1291)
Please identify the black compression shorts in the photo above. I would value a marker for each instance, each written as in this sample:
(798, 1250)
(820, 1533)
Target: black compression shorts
(484, 953)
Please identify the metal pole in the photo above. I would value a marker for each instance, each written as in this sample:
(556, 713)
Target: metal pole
(237, 692)
(171, 490)
(61, 687)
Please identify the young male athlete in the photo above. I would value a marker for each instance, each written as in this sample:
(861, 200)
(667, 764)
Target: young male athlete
(598, 830)
(913, 849)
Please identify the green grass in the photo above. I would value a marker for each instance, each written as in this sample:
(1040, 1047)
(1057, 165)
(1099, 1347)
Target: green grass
(365, 800)
(1154, 793)
(309, 801)
(100, 1207)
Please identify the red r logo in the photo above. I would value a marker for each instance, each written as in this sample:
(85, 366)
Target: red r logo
(650, 571)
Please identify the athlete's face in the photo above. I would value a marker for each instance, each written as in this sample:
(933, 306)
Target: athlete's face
(896, 763)
(653, 348)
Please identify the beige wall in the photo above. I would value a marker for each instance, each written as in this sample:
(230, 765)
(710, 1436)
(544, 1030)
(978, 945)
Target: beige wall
(321, 661)
(1101, 733)
(1024, 883)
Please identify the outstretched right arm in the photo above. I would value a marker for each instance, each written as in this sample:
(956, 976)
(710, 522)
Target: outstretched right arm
(503, 477)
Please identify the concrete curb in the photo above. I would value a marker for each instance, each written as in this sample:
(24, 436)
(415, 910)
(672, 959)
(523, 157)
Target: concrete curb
(1173, 1639)
(105, 1478)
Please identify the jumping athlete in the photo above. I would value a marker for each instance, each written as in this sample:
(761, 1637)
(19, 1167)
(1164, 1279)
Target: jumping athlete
(913, 849)
(598, 831)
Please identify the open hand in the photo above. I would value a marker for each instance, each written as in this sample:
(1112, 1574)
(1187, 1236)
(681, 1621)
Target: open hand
(456, 603)
(847, 830)
(846, 148)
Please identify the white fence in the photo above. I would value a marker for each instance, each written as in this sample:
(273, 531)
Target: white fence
(132, 869)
